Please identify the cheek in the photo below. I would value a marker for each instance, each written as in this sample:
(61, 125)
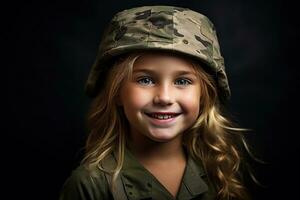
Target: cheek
(134, 98)
(191, 103)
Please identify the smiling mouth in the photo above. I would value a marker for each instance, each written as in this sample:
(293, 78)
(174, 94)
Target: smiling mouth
(162, 116)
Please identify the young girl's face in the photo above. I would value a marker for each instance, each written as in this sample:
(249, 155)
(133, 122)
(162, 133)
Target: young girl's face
(162, 99)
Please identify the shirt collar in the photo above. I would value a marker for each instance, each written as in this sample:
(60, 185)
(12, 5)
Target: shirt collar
(138, 181)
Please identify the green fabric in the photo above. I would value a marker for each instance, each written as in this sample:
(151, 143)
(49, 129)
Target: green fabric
(138, 183)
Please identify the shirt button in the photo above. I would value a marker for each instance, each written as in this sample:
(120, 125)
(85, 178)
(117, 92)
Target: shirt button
(149, 185)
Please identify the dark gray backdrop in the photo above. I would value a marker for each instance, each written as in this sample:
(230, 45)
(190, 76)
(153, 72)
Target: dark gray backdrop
(53, 44)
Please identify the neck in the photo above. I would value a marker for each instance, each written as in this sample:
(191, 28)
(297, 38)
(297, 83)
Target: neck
(147, 149)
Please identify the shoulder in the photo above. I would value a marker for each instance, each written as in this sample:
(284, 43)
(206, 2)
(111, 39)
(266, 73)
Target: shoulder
(92, 175)
(84, 183)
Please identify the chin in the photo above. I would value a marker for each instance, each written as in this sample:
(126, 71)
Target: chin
(162, 137)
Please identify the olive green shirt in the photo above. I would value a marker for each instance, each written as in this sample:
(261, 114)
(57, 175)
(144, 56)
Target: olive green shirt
(138, 183)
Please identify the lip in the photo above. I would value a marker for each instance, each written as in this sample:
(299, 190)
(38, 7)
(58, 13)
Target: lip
(163, 113)
(162, 122)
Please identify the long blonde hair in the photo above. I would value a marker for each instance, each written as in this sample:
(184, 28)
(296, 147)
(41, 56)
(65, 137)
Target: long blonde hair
(213, 138)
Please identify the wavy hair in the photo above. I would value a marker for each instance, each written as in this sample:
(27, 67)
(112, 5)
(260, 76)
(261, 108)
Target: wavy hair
(213, 138)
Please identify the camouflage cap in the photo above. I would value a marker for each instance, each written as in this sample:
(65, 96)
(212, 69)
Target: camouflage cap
(168, 28)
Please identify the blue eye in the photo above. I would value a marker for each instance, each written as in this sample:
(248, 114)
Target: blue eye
(145, 81)
(182, 82)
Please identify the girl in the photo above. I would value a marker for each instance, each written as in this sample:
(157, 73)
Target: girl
(157, 130)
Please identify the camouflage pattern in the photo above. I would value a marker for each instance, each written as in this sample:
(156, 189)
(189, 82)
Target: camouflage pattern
(160, 28)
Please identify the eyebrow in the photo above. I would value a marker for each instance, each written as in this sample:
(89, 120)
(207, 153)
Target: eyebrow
(149, 71)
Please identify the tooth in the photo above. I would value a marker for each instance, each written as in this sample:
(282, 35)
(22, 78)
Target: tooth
(157, 116)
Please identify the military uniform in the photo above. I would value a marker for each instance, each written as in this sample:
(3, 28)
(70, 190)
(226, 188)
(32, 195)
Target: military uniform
(138, 183)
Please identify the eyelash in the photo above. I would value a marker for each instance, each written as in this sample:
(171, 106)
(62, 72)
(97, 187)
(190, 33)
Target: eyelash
(187, 81)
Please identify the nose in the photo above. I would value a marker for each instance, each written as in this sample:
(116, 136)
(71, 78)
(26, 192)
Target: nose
(163, 95)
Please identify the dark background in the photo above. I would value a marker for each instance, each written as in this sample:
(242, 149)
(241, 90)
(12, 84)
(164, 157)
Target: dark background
(51, 47)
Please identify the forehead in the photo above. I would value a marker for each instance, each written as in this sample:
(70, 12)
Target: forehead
(163, 62)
